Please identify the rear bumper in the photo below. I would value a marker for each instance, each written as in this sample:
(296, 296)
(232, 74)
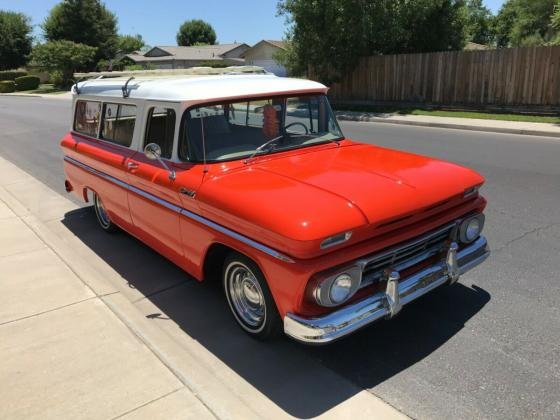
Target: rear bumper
(386, 304)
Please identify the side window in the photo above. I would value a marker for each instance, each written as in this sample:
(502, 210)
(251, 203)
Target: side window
(160, 129)
(118, 123)
(86, 117)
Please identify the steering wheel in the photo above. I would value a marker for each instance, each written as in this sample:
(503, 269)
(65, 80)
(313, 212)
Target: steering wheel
(297, 123)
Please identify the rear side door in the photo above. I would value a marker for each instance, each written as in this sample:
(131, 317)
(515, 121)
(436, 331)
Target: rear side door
(103, 135)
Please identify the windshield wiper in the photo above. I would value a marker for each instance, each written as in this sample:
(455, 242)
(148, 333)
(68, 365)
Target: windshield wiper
(263, 146)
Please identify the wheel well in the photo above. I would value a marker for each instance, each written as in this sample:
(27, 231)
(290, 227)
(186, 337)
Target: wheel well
(214, 261)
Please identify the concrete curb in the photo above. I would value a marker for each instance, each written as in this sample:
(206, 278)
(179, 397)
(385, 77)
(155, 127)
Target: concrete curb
(30, 95)
(64, 95)
(345, 116)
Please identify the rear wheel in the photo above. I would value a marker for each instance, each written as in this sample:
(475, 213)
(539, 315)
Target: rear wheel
(102, 216)
(249, 298)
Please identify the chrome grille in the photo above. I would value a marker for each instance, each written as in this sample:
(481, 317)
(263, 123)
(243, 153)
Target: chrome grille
(405, 255)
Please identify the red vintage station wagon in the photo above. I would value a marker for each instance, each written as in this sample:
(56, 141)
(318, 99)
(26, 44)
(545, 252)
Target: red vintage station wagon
(248, 178)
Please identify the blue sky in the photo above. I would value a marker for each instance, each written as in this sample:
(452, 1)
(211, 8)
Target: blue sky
(158, 21)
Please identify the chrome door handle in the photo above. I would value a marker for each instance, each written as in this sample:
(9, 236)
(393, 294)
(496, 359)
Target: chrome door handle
(189, 193)
(132, 165)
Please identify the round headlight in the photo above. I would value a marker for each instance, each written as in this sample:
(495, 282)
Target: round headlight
(341, 288)
(471, 228)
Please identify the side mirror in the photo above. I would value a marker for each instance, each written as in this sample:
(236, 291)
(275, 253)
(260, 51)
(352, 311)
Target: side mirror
(153, 152)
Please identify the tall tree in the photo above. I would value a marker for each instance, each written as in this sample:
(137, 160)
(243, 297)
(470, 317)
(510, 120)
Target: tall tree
(365, 27)
(86, 22)
(127, 44)
(525, 22)
(15, 40)
(196, 32)
(478, 25)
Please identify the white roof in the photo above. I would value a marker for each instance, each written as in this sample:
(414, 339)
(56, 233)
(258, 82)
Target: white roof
(197, 89)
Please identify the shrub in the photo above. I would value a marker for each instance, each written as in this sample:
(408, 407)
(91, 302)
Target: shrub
(11, 74)
(7, 86)
(213, 64)
(27, 82)
(57, 78)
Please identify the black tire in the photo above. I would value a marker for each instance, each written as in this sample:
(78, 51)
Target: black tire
(244, 284)
(103, 218)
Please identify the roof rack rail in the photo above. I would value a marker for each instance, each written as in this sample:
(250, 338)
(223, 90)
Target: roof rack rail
(76, 88)
(125, 92)
(193, 71)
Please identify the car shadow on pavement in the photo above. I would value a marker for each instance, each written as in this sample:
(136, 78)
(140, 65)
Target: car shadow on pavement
(304, 381)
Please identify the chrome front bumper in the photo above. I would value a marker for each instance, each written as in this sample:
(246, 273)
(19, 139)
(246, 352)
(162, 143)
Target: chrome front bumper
(388, 303)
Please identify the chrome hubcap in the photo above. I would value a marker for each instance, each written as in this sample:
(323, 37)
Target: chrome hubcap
(101, 213)
(246, 296)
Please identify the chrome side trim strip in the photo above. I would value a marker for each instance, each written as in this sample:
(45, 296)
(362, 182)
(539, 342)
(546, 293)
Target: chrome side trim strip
(182, 211)
(383, 304)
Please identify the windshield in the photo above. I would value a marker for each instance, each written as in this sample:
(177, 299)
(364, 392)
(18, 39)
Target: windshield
(236, 130)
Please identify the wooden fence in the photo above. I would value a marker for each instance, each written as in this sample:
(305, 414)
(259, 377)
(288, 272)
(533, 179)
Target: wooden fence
(516, 77)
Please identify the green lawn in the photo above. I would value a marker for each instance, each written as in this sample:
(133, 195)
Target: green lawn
(46, 88)
(454, 114)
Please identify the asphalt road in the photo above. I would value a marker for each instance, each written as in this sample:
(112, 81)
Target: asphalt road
(488, 347)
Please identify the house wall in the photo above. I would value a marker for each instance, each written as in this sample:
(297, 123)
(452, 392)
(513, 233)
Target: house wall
(263, 55)
(263, 51)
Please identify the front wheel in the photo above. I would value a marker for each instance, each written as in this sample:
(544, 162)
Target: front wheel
(249, 298)
(102, 216)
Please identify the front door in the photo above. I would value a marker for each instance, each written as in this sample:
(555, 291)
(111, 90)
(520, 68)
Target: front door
(155, 196)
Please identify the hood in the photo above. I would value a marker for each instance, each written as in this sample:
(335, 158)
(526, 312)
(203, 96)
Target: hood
(384, 184)
(311, 195)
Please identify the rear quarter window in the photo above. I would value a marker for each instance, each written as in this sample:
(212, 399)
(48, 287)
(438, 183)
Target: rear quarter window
(86, 117)
(118, 123)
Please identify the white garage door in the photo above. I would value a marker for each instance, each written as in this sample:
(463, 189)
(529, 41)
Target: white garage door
(271, 66)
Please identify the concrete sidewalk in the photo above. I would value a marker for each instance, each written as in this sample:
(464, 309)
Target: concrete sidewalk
(73, 343)
(63, 352)
(492, 126)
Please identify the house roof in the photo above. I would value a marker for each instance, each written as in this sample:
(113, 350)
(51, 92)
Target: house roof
(199, 89)
(277, 44)
(473, 46)
(201, 52)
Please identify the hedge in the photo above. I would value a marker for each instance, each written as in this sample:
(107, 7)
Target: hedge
(11, 74)
(7, 86)
(27, 82)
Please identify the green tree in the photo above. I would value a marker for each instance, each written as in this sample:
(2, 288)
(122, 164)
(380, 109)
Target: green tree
(129, 43)
(86, 22)
(555, 24)
(525, 22)
(62, 58)
(196, 32)
(15, 40)
(478, 25)
(330, 35)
